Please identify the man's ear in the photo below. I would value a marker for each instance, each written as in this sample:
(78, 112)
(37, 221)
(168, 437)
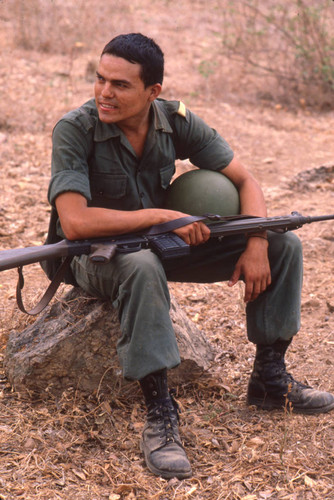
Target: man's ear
(155, 91)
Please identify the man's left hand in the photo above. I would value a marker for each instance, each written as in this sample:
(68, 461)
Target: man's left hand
(253, 265)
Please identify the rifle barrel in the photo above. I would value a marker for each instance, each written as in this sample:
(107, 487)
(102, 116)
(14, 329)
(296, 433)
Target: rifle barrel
(319, 218)
(254, 224)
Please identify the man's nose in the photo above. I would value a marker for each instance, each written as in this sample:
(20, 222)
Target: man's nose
(107, 90)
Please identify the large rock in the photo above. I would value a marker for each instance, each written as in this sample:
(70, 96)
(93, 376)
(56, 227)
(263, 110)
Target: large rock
(73, 345)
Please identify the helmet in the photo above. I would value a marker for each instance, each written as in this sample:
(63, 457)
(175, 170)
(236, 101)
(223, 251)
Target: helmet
(200, 192)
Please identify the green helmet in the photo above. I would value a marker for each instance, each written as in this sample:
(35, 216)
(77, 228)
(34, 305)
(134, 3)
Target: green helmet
(200, 192)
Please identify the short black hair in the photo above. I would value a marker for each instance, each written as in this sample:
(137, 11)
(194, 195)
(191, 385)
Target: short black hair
(138, 48)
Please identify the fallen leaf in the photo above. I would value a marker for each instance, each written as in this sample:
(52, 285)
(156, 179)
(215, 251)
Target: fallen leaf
(191, 491)
(254, 442)
(81, 475)
(309, 482)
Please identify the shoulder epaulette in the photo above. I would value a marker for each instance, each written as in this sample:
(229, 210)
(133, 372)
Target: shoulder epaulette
(182, 109)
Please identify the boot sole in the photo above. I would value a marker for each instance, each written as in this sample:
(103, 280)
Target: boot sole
(269, 404)
(163, 473)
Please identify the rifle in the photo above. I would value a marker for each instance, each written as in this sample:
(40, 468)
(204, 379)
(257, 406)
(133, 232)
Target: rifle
(158, 238)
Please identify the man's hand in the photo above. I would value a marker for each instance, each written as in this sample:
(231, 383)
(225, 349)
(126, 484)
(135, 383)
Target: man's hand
(194, 234)
(253, 265)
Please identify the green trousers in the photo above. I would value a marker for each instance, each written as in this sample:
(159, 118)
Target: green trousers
(137, 285)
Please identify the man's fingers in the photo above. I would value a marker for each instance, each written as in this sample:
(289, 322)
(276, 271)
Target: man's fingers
(199, 233)
(248, 292)
(235, 276)
(254, 289)
(194, 234)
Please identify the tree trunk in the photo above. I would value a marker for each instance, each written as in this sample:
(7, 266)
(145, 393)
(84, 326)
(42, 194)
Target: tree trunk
(73, 345)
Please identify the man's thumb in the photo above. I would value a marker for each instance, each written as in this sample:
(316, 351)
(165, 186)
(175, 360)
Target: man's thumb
(234, 278)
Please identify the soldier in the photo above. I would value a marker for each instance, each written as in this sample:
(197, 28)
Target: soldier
(112, 162)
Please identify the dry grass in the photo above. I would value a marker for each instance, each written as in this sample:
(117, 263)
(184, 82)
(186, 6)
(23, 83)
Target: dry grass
(88, 447)
(290, 45)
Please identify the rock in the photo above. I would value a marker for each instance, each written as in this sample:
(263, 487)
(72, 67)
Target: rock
(319, 178)
(73, 344)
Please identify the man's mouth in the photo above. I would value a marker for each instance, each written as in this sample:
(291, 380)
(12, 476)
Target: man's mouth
(107, 106)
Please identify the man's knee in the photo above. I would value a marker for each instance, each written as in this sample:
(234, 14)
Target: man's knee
(285, 245)
(128, 269)
(143, 262)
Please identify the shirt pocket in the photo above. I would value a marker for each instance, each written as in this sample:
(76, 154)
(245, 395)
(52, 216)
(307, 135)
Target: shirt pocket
(166, 174)
(108, 186)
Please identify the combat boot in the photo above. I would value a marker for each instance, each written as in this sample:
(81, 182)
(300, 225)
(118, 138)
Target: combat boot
(271, 386)
(161, 443)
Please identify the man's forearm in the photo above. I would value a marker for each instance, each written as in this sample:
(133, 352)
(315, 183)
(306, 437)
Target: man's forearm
(78, 221)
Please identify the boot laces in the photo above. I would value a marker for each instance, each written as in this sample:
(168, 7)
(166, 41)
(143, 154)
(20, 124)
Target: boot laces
(278, 371)
(165, 413)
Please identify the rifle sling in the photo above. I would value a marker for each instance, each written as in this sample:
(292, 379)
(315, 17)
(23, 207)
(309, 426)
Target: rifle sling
(50, 292)
(167, 227)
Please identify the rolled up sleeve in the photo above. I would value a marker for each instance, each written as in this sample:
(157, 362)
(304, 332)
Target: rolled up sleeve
(70, 152)
(215, 155)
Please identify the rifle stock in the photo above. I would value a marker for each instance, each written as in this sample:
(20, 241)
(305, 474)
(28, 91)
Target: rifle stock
(19, 257)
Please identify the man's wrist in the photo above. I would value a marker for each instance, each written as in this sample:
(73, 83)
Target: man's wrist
(262, 235)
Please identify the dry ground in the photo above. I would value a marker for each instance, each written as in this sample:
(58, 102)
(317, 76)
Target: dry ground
(85, 448)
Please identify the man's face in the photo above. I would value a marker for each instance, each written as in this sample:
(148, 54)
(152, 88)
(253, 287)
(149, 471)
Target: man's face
(120, 94)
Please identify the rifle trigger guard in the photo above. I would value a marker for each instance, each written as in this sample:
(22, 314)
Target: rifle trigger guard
(129, 248)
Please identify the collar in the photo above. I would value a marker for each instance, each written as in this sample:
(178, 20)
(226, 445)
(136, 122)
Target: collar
(160, 120)
(105, 131)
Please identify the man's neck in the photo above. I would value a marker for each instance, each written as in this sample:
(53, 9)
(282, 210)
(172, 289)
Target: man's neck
(136, 132)
(136, 124)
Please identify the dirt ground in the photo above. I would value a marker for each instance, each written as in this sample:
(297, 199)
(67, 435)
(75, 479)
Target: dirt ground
(83, 448)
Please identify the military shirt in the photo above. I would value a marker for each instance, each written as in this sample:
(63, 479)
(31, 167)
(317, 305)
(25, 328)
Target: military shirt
(96, 159)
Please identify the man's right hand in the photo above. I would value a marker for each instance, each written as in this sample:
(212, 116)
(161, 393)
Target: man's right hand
(194, 234)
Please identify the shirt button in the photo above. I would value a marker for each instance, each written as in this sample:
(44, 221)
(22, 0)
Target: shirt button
(142, 195)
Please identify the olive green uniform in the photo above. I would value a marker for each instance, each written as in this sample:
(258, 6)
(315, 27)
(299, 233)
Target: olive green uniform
(96, 160)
